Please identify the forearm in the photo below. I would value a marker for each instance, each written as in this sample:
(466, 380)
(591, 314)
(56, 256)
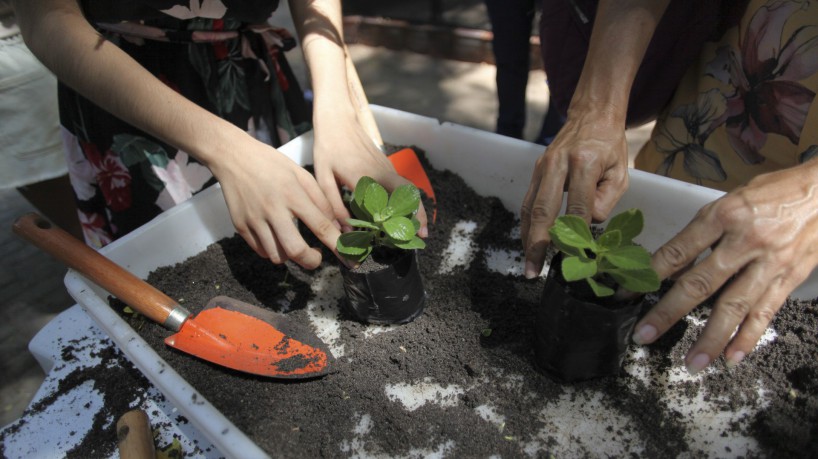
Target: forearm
(621, 34)
(65, 42)
(319, 25)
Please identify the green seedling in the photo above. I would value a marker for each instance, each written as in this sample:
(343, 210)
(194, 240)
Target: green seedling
(609, 260)
(137, 320)
(381, 219)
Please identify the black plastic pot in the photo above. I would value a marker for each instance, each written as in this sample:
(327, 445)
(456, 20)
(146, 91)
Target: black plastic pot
(392, 295)
(578, 339)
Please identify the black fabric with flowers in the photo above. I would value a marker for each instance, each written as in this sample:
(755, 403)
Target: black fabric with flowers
(220, 54)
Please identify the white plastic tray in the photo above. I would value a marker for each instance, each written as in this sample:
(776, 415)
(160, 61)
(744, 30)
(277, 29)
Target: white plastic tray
(54, 425)
(491, 164)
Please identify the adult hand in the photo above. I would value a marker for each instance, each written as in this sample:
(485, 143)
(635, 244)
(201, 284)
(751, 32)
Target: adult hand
(343, 153)
(265, 192)
(765, 243)
(589, 160)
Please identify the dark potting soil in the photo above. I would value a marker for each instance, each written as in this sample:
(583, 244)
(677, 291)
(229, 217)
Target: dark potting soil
(466, 365)
(376, 261)
(118, 383)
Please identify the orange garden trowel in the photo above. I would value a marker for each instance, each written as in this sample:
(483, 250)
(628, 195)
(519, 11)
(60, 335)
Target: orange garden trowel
(226, 332)
(408, 166)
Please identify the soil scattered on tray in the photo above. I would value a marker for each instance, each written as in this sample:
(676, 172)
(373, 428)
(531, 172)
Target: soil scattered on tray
(113, 377)
(459, 381)
(119, 386)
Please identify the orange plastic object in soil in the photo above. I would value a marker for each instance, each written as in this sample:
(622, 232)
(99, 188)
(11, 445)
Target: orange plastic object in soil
(408, 166)
(247, 344)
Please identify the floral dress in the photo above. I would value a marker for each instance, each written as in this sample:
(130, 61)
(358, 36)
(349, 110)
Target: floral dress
(747, 106)
(220, 54)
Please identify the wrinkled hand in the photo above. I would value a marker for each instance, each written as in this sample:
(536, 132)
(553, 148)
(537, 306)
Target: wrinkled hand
(265, 192)
(343, 154)
(589, 159)
(765, 243)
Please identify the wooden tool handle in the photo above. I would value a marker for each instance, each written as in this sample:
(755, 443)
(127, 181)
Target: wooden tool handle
(134, 436)
(135, 292)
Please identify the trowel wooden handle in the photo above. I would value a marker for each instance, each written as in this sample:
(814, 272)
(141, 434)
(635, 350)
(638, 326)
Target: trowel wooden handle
(134, 436)
(135, 292)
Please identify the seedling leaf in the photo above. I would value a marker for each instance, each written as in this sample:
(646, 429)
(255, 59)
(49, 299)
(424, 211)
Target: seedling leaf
(629, 257)
(361, 223)
(572, 231)
(600, 290)
(359, 211)
(383, 215)
(575, 268)
(354, 243)
(375, 198)
(629, 222)
(415, 243)
(400, 229)
(404, 200)
(360, 190)
(610, 240)
(637, 280)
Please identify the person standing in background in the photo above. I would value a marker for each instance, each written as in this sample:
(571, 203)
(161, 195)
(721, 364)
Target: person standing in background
(511, 25)
(31, 152)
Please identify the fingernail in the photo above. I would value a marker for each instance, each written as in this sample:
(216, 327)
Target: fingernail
(424, 231)
(645, 334)
(735, 359)
(531, 270)
(697, 363)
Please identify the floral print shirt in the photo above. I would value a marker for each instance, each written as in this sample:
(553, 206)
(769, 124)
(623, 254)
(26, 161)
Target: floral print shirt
(251, 11)
(220, 54)
(747, 106)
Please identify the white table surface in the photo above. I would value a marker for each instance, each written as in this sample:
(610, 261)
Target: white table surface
(50, 431)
